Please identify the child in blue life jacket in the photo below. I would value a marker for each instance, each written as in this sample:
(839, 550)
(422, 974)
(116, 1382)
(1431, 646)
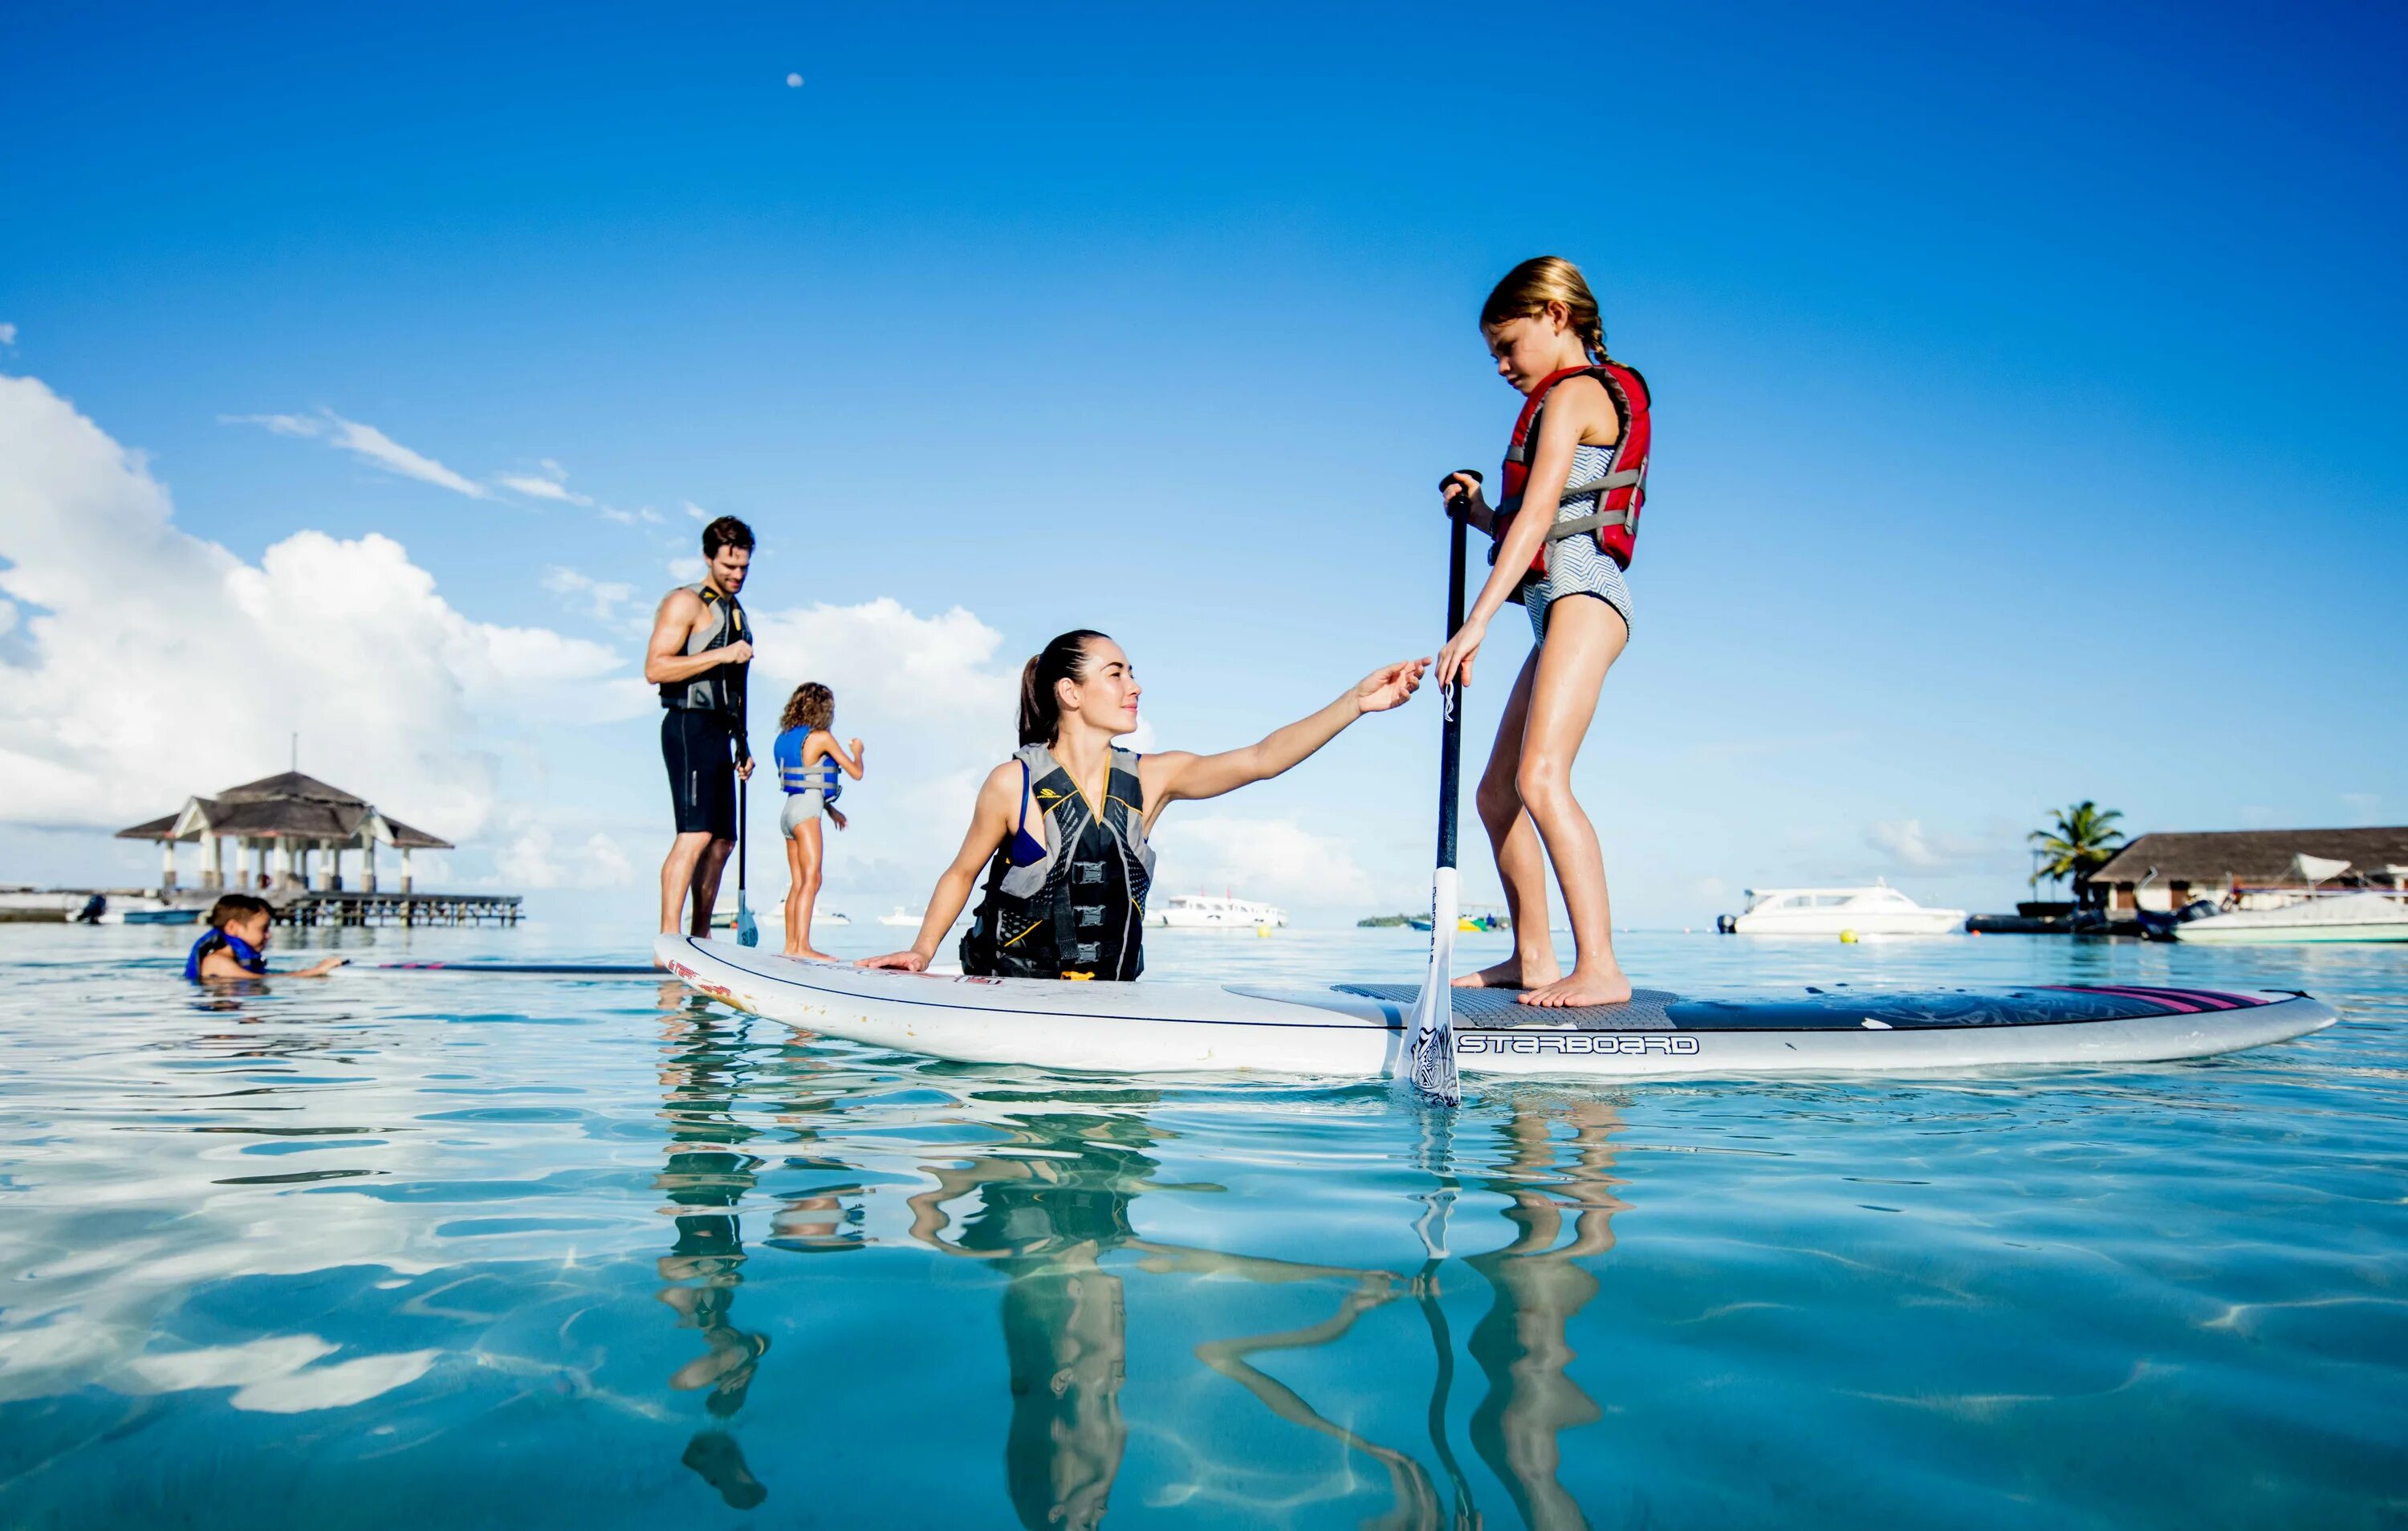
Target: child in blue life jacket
(235, 947)
(1574, 478)
(808, 759)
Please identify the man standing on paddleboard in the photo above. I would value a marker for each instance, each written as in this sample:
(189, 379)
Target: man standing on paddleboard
(700, 649)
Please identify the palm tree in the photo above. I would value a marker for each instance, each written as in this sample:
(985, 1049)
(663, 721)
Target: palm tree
(2083, 841)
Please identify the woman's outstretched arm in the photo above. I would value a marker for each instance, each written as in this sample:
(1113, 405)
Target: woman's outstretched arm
(1176, 774)
(991, 821)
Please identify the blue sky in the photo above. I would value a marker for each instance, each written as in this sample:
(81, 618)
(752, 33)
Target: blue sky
(2027, 399)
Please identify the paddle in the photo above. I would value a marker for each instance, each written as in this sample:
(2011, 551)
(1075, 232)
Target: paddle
(1432, 1062)
(747, 932)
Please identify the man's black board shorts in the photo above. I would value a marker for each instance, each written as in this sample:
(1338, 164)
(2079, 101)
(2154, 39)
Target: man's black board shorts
(699, 749)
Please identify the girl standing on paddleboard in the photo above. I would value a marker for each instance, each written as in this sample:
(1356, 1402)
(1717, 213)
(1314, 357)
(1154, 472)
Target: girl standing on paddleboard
(1060, 829)
(808, 759)
(1574, 480)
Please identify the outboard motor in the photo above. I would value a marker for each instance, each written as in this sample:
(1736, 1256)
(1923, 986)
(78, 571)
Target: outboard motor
(94, 907)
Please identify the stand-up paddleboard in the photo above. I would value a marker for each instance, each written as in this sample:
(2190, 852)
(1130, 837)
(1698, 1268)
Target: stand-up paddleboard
(1361, 1030)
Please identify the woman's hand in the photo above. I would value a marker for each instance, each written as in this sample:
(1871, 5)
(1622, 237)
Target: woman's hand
(1459, 650)
(836, 816)
(1390, 686)
(901, 961)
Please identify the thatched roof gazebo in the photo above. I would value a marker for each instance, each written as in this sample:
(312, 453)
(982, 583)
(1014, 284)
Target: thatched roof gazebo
(294, 816)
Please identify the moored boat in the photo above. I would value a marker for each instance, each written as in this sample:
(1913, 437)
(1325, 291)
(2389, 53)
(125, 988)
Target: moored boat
(2330, 916)
(1878, 910)
(1205, 911)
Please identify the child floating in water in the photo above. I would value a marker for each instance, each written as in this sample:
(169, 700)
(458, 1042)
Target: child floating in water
(1574, 479)
(1060, 829)
(807, 759)
(235, 947)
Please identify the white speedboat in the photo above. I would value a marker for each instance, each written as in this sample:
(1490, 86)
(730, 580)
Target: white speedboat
(1204, 912)
(2334, 916)
(1878, 910)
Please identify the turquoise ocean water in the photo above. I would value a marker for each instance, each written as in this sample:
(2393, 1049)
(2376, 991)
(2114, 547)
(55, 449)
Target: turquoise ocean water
(431, 1251)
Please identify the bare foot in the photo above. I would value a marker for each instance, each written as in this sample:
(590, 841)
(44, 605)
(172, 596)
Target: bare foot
(1508, 975)
(811, 954)
(1584, 986)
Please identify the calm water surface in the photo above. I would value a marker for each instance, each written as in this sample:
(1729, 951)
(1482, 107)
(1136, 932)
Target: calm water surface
(430, 1250)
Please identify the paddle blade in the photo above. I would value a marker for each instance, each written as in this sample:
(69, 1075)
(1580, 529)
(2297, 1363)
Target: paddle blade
(1431, 1062)
(747, 932)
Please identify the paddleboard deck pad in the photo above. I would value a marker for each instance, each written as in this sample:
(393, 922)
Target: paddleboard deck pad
(1361, 1030)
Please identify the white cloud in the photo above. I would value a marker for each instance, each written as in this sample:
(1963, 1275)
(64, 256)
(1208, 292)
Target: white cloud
(1276, 860)
(282, 425)
(601, 600)
(367, 443)
(696, 511)
(624, 519)
(8, 335)
(535, 488)
(687, 570)
(534, 860)
(1907, 842)
(172, 667)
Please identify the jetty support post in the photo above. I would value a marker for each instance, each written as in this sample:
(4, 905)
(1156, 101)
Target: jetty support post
(367, 864)
(167, 866)
(405, 872)
(212, 861)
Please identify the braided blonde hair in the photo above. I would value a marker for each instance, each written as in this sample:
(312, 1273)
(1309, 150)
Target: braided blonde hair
(1529, 287)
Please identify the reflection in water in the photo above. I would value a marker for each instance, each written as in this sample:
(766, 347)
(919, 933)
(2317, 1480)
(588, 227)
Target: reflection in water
(1054, 1197)
(1046, 1222)
(1521, 1344)
(706, 1179)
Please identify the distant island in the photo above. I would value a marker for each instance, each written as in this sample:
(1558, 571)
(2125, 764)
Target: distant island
(1381, 921)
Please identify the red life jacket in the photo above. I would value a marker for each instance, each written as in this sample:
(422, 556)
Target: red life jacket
(1622, 488)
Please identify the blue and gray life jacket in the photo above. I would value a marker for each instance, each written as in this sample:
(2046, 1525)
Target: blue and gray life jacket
(1070, 904)
(795, 777)
(251, 957)
(720, 689)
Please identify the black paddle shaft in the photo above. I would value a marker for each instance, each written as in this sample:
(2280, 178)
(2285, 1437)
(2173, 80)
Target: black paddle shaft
(1450, 747)
(743, 753)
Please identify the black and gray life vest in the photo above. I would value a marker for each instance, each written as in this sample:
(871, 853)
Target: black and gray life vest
(720, 689)
(1076, 907)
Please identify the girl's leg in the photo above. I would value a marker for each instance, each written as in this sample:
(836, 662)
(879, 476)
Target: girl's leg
(807, 887)
(1585, 636)
(1521, 864)
(796, 908)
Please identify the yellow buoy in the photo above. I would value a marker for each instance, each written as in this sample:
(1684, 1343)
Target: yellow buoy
(1262, 931)
(1847, 938)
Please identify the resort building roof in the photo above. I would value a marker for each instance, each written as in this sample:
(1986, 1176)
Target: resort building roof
(2256, 858)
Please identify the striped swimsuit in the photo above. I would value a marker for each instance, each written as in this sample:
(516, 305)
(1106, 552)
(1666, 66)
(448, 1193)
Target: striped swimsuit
(1577, 566)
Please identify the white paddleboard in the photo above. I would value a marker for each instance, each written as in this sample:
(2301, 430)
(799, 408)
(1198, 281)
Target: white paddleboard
(1358, 1030)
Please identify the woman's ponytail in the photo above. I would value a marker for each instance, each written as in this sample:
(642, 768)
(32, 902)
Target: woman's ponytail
(1063, 659)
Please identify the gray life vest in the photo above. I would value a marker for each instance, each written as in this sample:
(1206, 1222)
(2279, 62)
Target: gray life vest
(1070, 904)
(720, 689)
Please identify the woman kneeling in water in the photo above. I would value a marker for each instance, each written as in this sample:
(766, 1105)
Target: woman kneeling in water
(1066, 886)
